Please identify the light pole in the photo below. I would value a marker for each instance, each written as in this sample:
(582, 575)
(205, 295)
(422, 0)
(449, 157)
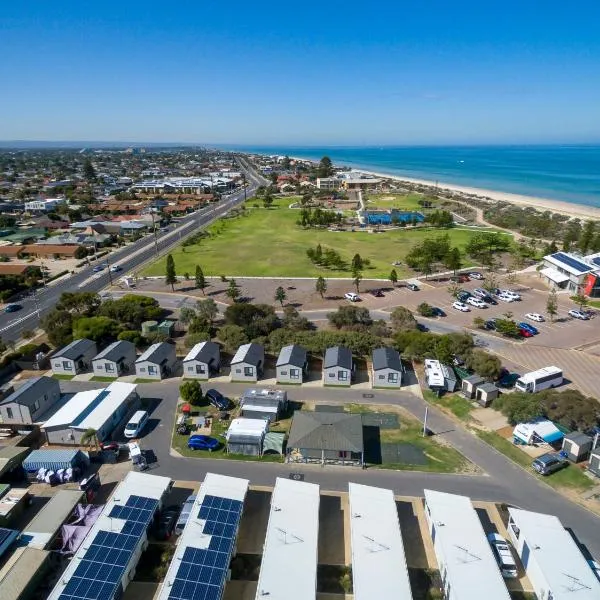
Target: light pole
(154, 231)
(425, 422)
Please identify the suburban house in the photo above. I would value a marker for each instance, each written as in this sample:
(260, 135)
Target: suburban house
(115, 360)
(157, 362)
(74, 358)
(338, 366)
(387, 368)
(29, 402)
(248, 362)
(292, 364)
(326, 438)
(260, 403)
(202, 360)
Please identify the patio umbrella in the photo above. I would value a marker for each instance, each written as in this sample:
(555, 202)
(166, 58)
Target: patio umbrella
(186, 408)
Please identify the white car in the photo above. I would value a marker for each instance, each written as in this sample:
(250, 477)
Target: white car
(535, 317)
(480, 292)
(460, 306)
(115, 269)
(476, 302)
(579, 314)
(505, 298)
(475, 275)
(510, 293)
(352, 296)
(504, 556)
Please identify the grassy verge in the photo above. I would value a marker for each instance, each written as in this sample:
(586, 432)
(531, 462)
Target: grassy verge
(102, 378)
(62, 377)
(146, 380)
(452, 403)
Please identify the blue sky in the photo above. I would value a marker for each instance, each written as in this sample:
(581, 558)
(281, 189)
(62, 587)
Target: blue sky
(307, 72)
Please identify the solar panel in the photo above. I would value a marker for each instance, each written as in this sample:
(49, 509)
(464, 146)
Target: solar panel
(571, 262)
(202, 571)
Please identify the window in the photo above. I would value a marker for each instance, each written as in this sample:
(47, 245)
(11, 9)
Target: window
(515, 529)
(152, 370)
(190, 369)
(45, 397)
(294, 373)
(343, 375)
(9, 412)
(35, 407)
(67, 366)
(381, 376)
(200, 369)
(238, 370)
(285, 373)
(108, 367)
(142, 369)
(248, 371)
(393, 377)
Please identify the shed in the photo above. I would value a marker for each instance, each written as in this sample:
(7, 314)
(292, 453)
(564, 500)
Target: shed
(292, 364)
(470, 384)
(387, 368)
(245, 436)
(54, 460)
(338, 366)
(202, 360)
(21, 576)
(12, 504)
(74, 358)
(594, 462)
(11, 459)
(115, 360)
(149, 327)
(30, 402)
(486, 393)
(166, 328)
(577, 446)
(248, 362)
(157, 362)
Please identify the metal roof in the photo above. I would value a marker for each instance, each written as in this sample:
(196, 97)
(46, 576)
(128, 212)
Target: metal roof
(386, 358)
(292, 355)
(289, 561)
(116, 351)
(17, 574)
(461, 544)
(556, 555)
(203, 352)
(55, 457)
(378, 561)
(32, 384)
(338, 356)
(569, 263)
(251, 427)
(579, 438)
(326, 431)
(249, 353)
(157, 353)
(75, 349)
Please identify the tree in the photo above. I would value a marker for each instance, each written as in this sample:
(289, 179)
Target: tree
(325, 168)
(171, 275)
(484, 364)
(82, 303)
(479, 322)
(131, 310)
(587, 235)
(135, 337)
(88, 170)
(425, 309)
(454, 289)
(58, 325)
(552, 305)
(232, 337)
(321, 286)
(101, 330)
(186, 315)
(191, 392)
(520, 407)
(357, 278)
(233, 291)
(402, 319)
(453, 260)
(507, 327)
(207, 310)
(280, 295)
(200, 279)
(293, 320)
(268, 201)
(255, 319)
(581, 300)
(89, 437)
(393, 277)
(350, 317)
(357, 263)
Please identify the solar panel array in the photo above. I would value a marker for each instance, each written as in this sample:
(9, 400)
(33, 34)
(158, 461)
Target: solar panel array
(99, 573)
(571, 262)
(202, 572)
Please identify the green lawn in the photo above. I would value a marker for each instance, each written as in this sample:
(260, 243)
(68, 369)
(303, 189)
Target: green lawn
(63, 377)
(400, 201)
(103, 378)
(454, 403)
(267, 242)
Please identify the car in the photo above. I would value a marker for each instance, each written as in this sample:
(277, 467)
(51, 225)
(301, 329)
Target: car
(505, 298)
(480, 293)
(12, 308)
(579, 314)
(377, 293)
(352, 296)
(98, 268)
(413, 287)
(463, 296)
(549, 463)
(460, 279)
(476, 302)
(507, 379)
(533, 330)
(525, 333)
(116, 269)
(460, 306)
(457, 361)
(510, 293)
(490, 325)
(476, 275)
(202, 442)
(166, 522)
(495, 291)
(504, 556)
(437, 312)
(535, 317)
(217, 399)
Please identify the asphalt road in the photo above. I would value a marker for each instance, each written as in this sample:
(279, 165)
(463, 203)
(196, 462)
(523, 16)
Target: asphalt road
(129, 258)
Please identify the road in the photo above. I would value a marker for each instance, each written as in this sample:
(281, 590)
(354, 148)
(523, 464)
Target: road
(129, 258)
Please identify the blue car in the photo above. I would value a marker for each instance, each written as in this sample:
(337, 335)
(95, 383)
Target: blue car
(528, 327)
(12, 308)
(202, 442)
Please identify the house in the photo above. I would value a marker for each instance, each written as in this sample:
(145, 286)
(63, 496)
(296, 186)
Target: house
(439, 377)
(248, 362)
(387, 368)
(31, 401)
(469, 385)
(326, 437)
(594, 462)
(246, 436)
(258, 403)
(74, 358)
(338, 366)
(551, 557)
(577, 446)
(292, 364)
(202, 360)
(115, 360)
(467, 565)
(157, 362)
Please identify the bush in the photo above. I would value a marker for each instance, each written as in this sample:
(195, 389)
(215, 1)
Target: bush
(135, 337)
(191, 391)
(425, 310)
(195, 338)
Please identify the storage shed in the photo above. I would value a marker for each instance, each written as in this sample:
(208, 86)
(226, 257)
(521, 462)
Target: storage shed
(577, 446)
(166, 328)
(594, 462)
(54, 460)
(245, 436)
(470, 384)
(29, 403)
(11, 459)
(486, 393)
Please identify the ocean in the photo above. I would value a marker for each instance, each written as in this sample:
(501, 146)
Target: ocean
(567, 173)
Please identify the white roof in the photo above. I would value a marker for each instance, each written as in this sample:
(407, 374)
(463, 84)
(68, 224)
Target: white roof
(193, 535)
(289, 563)
(557, 556)
(134, 484)
(554, 275)
(72, 409)
(378, 562)
(242, 426)
(433, 373)
(462, 543)
(533, 375)
(256, 406)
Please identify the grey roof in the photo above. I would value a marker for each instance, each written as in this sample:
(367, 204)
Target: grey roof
(55, 512)
(578, 438)
(249, 353)
(157, 353)
(386, 358)
(475, 379)
(326, 431)
(203, 352)
(338, 356)
(35, 383)
(76, 349)
(22, 571)
(488, 387)
(116, 351)
(292, 355)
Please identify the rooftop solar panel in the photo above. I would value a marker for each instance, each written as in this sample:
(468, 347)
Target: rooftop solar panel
(571, 262)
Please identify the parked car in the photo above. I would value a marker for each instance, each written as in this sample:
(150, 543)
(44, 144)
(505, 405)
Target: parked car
(525, 333)
(217, 399)
(505, 298)
(476, 302)
(98, 268)
(476, 275)
(12, 308)
(535, 317)
(504, 556)
(116, 269)
(377, 293)
(437, 312)
(202, 442)
(490, 325)
(549, 463)
(480, 293)
(495, 291)
(413, 287)
(510, 293)
(166, 522)
(352, 297)
(463, 296)
(533, 330)
(507, 379)
(579, 314)
(460, 278)
(460, 306)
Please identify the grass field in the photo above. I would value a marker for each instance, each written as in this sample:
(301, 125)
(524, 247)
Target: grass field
(401, 201)
(268, 243)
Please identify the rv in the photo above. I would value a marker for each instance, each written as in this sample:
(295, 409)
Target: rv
(539, 380)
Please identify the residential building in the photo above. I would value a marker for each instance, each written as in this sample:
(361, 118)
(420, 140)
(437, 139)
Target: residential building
(292, 364)
(202, 360)
(43, 205)
(28, 404)
(594, 462)
(248, 362)
(338, 366)
(157, 362)
(74, 358)
(387, 368)
(115, 360)
(264, 404)
(329, 183)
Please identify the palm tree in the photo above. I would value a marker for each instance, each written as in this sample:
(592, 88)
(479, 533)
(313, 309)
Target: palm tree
(89, 437)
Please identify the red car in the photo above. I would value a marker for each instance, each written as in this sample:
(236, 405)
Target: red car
(526, 334)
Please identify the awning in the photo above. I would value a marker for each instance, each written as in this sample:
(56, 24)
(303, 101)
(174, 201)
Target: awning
(554, 275)
(274, 442)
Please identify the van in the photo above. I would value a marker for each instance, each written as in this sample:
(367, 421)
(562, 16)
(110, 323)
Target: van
(136, 424)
